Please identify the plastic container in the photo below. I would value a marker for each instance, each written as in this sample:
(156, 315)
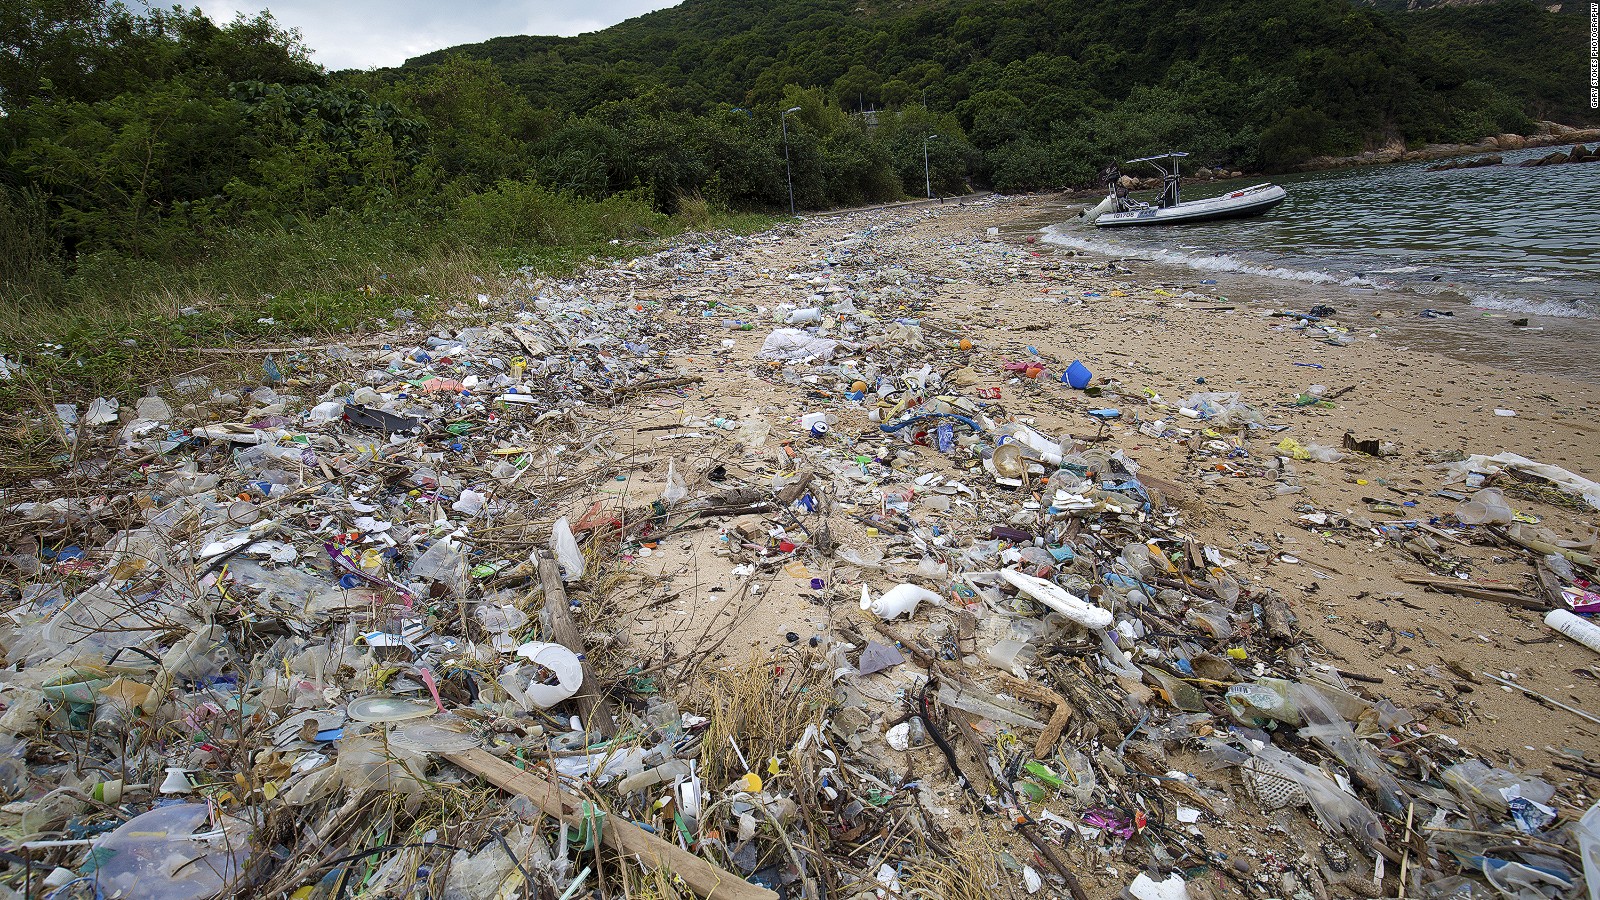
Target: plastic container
(1257, 703)
(1077, 376)
(1047, 449)
(1057, 598)
(1009, 656)
(566, 666)
(902, 599)
(1576, 627)
(667, 772)
(1487, 507)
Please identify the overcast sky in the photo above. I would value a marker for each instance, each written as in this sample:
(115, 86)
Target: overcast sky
(362, 34)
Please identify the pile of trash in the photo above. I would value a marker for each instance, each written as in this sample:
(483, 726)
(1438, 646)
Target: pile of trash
(361, 630)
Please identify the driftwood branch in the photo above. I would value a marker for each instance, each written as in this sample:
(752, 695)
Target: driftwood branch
(626, 838)
(596, 710)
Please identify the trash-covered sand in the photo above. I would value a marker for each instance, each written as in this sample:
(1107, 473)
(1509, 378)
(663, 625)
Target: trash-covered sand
(888, 554)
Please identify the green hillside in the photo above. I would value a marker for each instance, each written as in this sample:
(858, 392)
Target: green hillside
(1047, 91)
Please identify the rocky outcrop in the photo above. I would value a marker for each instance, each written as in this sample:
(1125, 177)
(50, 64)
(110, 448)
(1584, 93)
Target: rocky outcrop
(1216, 174)
(1547, 134)
(1577, 154)
(1466, 164)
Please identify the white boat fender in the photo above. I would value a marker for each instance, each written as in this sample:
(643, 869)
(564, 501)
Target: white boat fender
(1057, 598)
(902, 599)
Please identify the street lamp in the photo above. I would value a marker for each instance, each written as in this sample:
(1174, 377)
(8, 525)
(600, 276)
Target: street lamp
(927, 179)
(788, 173)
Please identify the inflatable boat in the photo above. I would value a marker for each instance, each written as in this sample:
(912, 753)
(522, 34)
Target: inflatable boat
(1119, 210)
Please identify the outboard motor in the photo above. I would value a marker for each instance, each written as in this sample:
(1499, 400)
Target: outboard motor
(1113, 202)
(1109, 204)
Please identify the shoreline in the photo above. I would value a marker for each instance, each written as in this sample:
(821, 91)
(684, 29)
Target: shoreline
(1549, 134)
(1548, 345)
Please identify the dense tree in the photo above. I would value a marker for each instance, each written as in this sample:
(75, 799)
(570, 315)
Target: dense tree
(1226, 79)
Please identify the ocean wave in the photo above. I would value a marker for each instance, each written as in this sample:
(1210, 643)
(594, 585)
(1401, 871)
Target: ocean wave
(1553, 308)
(1204, 262)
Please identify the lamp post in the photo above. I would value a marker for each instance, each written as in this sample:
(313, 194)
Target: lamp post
(927, 178)
(788, 173)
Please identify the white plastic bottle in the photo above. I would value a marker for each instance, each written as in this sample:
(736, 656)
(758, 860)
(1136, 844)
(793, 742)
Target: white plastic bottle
(1578, 628)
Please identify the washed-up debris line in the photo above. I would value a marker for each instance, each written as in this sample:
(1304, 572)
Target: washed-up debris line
(358, 630)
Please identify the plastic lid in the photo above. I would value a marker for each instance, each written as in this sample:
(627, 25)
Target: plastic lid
(444, 735)
(387, 709)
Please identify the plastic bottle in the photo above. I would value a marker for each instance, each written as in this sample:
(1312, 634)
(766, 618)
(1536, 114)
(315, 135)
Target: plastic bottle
(668, 771)
(664, 716)
(1578, 628)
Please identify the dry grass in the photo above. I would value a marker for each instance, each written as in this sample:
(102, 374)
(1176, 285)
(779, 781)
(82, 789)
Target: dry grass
(972, 872)
(762, 706)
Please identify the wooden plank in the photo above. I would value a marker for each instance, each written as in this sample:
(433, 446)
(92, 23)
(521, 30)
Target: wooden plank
(1477, 592)
(596, 711)
(705, 879)
(1551, 585)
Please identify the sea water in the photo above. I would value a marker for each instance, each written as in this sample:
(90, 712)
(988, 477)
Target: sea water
(1489, 245)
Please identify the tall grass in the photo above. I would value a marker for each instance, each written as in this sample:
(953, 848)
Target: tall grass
(113, 324)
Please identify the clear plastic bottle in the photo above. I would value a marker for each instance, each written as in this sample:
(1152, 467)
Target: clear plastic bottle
(664, 716)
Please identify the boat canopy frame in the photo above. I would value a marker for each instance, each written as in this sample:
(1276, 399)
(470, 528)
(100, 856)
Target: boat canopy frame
(1170, 179)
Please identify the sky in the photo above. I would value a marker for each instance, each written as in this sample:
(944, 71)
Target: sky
(363, 34)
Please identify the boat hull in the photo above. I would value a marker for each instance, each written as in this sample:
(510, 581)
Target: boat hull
(1252, 201)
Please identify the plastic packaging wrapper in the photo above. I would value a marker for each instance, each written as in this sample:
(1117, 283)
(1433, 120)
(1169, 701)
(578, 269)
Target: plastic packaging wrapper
(794, 344)
(1573, 484)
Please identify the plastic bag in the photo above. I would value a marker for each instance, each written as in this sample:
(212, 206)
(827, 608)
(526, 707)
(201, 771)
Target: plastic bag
(1335, 808)
(1326, 726)
(870, 558)
(565, 546)
(1316, 452)
(442, 562)
(1476, 782)
(753, 430)
(156, 856)
(900, 334)
(1576, 485)
(1588, 834)
(676, 488)
(1221, 408)
(794, 344)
